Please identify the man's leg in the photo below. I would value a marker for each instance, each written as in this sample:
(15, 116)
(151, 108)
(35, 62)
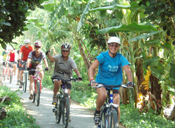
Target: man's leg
(20, 77)
(117, 101)
(57, 85)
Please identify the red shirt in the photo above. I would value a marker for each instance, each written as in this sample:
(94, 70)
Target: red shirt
(25, 51)
(12, 57)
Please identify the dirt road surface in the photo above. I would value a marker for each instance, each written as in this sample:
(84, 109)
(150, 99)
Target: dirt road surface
(81, 117)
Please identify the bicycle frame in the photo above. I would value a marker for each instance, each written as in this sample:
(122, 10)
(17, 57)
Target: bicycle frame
(36, 77)
(109, 111)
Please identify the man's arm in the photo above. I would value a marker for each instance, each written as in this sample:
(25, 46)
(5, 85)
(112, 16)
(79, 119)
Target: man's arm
(77, 72)
(28, 62)
(128, 72)
(50, 57)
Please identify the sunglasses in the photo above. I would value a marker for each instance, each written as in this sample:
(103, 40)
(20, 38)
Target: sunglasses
(65, 50)
(116, 45)
(37, 47)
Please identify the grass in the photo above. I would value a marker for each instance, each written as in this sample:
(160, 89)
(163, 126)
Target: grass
(16, 113)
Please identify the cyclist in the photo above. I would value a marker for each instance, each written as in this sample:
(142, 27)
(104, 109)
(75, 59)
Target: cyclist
(11, 59)
(23, 55)
(110, 65)
(18, 65)
(63, 69)
(4, 54)
(34, 58)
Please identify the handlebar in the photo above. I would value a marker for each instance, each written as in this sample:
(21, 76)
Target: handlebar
(109, 86)
(36, 70)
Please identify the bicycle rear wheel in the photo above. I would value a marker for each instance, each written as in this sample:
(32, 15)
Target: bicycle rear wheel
(58, 111)
(65, 112)
(113, 118)
(37, 93)
(25, 82)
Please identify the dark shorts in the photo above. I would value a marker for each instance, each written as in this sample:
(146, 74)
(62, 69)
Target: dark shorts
(31, 73)
(4, 63)
(10, 64)
(18, 64)
(22, 65)
(115, 91)
(57, 77)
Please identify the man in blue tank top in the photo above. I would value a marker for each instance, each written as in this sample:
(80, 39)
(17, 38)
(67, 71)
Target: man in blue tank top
(109, 65)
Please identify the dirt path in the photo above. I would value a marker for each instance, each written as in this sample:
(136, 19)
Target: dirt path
(81, 117)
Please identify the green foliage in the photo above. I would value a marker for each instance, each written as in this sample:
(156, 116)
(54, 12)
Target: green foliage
(13, 18)
(16, 113)
(132, 118)
(83, 94)
(161, 12)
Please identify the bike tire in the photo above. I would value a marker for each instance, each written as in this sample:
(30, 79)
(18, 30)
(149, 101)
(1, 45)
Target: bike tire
(58, 111)
(65, 113)
(11, 76)
(4, 72)
(25, 82)
(37, 93)
(113, 119)
(103, 120)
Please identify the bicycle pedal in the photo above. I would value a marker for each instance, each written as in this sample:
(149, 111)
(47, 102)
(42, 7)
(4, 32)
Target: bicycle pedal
(96, 123)
(54, 103)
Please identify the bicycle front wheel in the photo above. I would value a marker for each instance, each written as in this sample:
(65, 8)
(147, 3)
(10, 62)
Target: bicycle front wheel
(113, 118)
(104, 123)
(25, 82)
(66, 110)
(58, 111)
(37, 93)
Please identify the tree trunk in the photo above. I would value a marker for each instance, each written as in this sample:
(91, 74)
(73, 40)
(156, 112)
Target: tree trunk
(172, 116)
(86, 61)
(156, 91)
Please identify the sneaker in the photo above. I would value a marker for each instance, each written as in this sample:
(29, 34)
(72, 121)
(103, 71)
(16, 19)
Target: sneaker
(54, 100)
(30, 97)
(20, 86)
(96, 117)
(69, 119)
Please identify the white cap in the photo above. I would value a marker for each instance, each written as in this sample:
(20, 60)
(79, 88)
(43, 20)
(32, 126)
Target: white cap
(114, 39)
(26, 41)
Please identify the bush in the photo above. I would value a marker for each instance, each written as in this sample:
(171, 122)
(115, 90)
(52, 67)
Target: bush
(16, 113)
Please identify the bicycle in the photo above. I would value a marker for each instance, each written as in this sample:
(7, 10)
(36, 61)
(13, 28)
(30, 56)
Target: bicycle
(25, 77)
(4, 74)
(10, 71)
(37, 84)
(62, 107)
(109, 111)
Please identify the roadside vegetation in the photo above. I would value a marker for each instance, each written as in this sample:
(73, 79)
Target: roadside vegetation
(17, 116)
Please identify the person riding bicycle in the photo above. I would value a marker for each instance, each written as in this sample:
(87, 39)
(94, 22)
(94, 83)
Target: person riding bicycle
(11, 58)
(109, 65)
(4, 54)
(18, 65)
(63, 68)
(23, 55)
(35, 58)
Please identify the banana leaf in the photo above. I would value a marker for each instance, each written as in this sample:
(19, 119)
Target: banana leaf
(133, 27)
